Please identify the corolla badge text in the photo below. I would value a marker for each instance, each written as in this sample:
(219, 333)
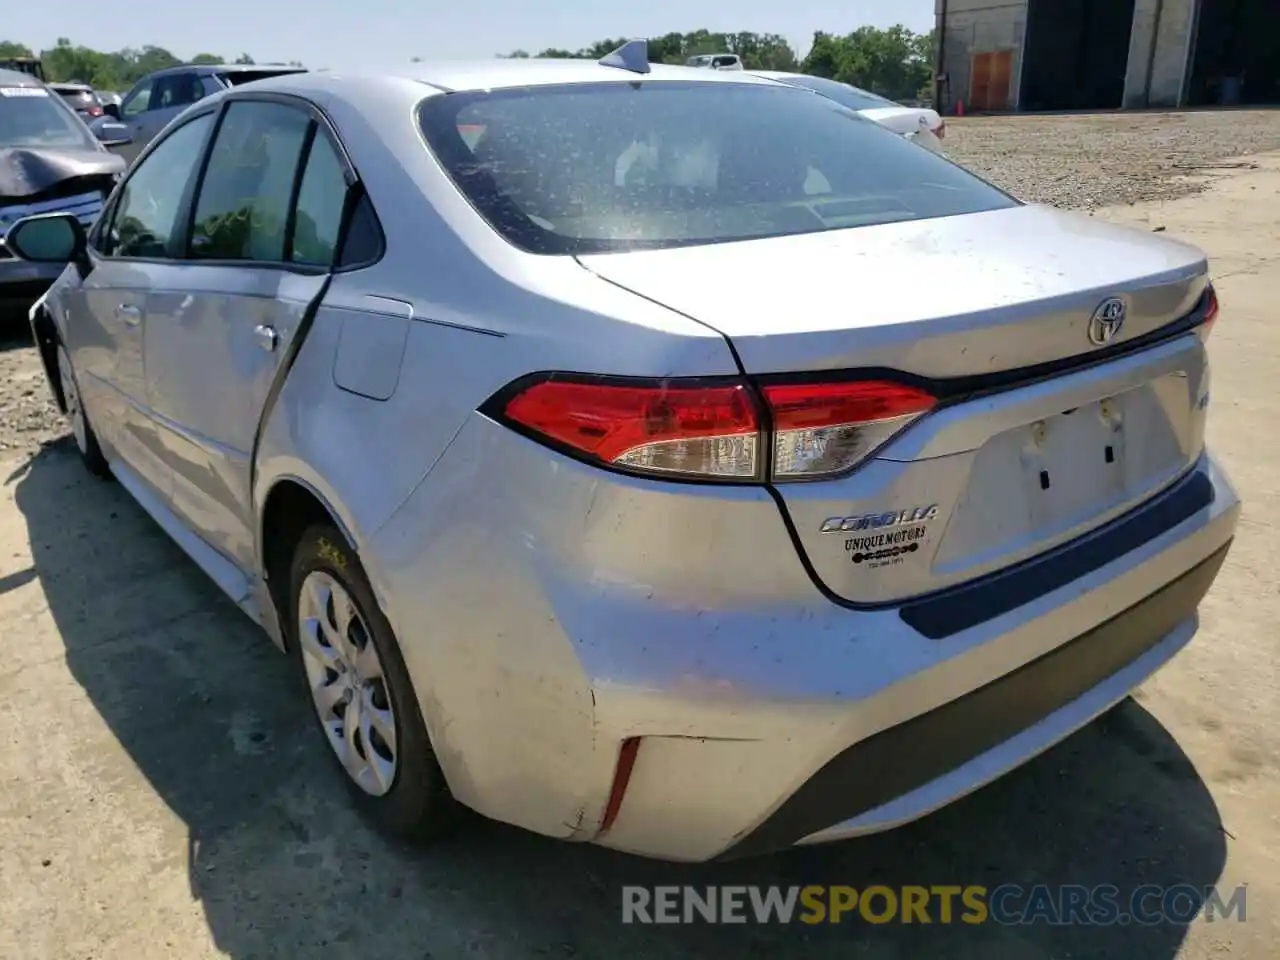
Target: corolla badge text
(876, 521)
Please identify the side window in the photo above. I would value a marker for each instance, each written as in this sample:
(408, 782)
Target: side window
(320, 200)
(137, 101)
(146, 217)
(242, 211)
(176, 90)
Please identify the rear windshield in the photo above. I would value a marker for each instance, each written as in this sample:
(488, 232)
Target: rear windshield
(32, 117)
(591, 168)
(854, 98)
(76, 96)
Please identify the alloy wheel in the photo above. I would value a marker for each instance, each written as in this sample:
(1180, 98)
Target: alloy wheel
(347, 682)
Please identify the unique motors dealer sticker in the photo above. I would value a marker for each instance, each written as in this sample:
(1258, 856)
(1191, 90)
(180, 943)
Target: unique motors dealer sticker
(23, 92)
(889, 538)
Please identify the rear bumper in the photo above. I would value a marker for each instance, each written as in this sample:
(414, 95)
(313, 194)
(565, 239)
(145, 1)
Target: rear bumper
(541, 640)
(946, 752)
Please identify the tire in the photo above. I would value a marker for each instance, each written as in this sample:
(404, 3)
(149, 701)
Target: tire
(412, 800)
(85, 439)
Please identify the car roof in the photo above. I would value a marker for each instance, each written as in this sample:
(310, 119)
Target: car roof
(502, 73)
(16, 78)
(207, 68)
(69, 85)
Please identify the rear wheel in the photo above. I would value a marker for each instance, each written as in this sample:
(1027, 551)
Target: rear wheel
(86, 440)
(360, 690)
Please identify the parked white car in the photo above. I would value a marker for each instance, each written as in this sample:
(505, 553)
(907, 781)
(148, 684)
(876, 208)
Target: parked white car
(715, 61)
(920, 124)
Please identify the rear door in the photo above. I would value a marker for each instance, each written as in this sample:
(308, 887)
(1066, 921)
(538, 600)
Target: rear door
(219, 324)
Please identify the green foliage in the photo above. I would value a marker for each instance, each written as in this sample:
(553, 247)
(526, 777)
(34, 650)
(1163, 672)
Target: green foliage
(107, 71)
(894, 63)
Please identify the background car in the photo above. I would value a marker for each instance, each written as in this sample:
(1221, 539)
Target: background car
(715, 61)
(920, 124)
(108, 98)
(159, 97)
(51, 163)
(81, 98)
(586, 433)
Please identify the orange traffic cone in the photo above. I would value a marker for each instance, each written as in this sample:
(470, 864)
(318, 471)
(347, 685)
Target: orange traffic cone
(959, 108)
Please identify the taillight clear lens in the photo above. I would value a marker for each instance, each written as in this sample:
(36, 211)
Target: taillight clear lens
(701, 430)
(708, 431)
(827, 428)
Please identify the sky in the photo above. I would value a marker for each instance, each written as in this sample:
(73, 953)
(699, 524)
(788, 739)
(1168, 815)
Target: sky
(355, 33)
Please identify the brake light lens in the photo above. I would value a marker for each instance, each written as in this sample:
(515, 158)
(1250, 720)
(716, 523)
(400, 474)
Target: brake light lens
(941, 131)
(827, 428)
(712, 430)
(95, 111)
(1210, 312)
(709, 431)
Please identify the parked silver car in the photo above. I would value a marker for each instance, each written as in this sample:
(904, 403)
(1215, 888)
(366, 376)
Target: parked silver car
(586, 433)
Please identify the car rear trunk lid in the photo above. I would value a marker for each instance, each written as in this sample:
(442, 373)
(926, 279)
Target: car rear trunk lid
(1043, 434)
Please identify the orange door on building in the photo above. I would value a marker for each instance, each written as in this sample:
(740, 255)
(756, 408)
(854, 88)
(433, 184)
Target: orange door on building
(990, 76)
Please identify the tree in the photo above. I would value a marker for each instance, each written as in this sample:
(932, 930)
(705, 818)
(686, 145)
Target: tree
(759, 51)
(895, 62)
(117, 70)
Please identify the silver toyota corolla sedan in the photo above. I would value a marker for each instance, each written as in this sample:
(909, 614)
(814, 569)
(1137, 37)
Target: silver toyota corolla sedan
(589, 435)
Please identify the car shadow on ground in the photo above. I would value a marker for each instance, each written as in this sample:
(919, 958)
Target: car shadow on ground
(212, 716)
(15, 331)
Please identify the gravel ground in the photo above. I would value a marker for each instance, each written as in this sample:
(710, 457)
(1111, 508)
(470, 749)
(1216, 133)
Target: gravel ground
(28, 418)
(1080, 162)
(1092, 160)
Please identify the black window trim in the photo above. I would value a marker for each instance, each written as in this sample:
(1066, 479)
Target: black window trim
(321, 123)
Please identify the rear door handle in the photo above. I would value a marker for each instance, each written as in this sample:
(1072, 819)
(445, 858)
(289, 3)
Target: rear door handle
(267, 336)
(129, 314)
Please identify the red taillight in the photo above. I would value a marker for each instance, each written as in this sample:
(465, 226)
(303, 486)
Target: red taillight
(664, 427)
(1210, 311)
(941, 132)
(95, 111)
(826, 428)
(712, 430)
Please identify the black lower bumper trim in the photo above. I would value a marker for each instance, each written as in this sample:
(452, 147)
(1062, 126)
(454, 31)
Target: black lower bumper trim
(949, 612)
(901, 759)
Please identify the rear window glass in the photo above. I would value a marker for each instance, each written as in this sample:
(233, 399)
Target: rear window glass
(855, 98)
(590, 168)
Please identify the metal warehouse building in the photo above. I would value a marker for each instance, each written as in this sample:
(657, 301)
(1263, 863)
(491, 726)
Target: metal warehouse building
(1106, 54)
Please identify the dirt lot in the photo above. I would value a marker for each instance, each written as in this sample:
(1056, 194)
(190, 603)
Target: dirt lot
(162, 794)
(1093, 160)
